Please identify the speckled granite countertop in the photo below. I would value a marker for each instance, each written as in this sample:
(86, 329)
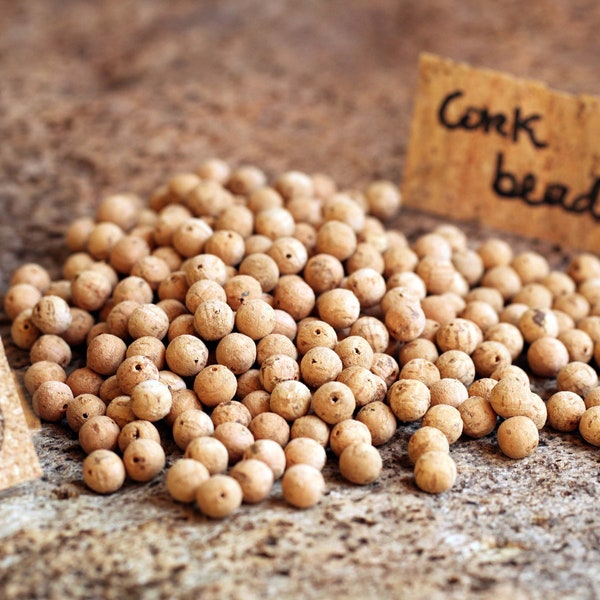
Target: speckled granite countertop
(116, 96)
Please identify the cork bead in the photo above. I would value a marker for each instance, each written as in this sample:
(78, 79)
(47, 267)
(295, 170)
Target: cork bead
(340, 308)
(215, 384)
(103, 471)
(90, 290)
(302, 486)
(105, 353)
(22, 330)
(313, 427)
(278, 368)
(148, 319)
(577, 377)
(213, 320)
(186, 355)
(380, 420)
(81, 324)
(488, 356)
(409, 399)
(191, 424)
(231, 411)
(579, 345)
(202, 291)
(255, 318)
(372, 330)
(181, 400)
(347, 432)
(219, 496)
(50, 400)
(119, 410)
(456, 364)
(365, 385)
(360, 463)
(290, 399)
(589, 425)
(426, 439)
(271, 426)
(435, 472)
(354, 351)
(150, 347)
(137, 429)
(507, 334)
(510, 398)
(323, 272)
(144, 459)
(184, 478)
(236, 438)
(565, 410)
(275, 343)
(270, 453)
(320, 365)
(51, 314)
(333, 402)
(458, 334)
(546, 356)
(386, 367)
(255, 478)
(478, 417)
(293, 295)
(99, 432)
(85, 381)
(518, 437)
(50, 348)
(274, 222)
(447, 419)
(210, 452)
(82, 408)
(133, 370)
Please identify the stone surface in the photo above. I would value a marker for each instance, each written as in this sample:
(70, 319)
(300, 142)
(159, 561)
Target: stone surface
(117, 96)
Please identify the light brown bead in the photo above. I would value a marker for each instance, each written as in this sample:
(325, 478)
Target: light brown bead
(302, 486)
(83, 407)
(231, 411)
(577, 377)
(215, 384)
(278, 368)
(409, 399)
(213, 320)
(510, 397)
(144, 459)
(271, 426)
(565, 410)
(365, 385)
(435, 472)
(589, 425)
(448, 391)
(293, 295)
(360, 463)
(133, 370)
(99, 432)
(255, 478)
(518, 437)
(236, 438)
(50, 348)
(333, 402)
(426, 439)
(103, 471)
(456, 364)
(105, 353)
(50, 400)
(269, 452)
(148, 319)
(191, 424)
(488, 356)
(546, 356)
(478, 416)
(447, 419)
(311, 426)
(380, 420)
(183, 479)
(386, 367)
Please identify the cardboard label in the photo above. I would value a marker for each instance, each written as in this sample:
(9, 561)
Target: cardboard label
(18, 458)
(507, 152)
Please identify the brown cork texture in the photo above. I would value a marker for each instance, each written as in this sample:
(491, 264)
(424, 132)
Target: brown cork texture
(18, 458)
(506, 151)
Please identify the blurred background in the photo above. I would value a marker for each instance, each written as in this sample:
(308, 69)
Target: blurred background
(117, 95)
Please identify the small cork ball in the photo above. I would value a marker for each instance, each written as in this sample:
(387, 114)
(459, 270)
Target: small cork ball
(426, 439)
(565, 409)
(305, 451)
(144, 459)
(589, 425)
(219, 496)
(302, 486)
(184, 478)
(518, 437)
(255, 478)
(435, 472)
(360, 463)
(103, 471)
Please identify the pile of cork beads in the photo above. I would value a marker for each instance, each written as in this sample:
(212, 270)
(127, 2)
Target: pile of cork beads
(262, 324)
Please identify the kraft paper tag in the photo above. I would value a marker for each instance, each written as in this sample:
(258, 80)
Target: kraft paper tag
(18, 458)
(507, 152)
